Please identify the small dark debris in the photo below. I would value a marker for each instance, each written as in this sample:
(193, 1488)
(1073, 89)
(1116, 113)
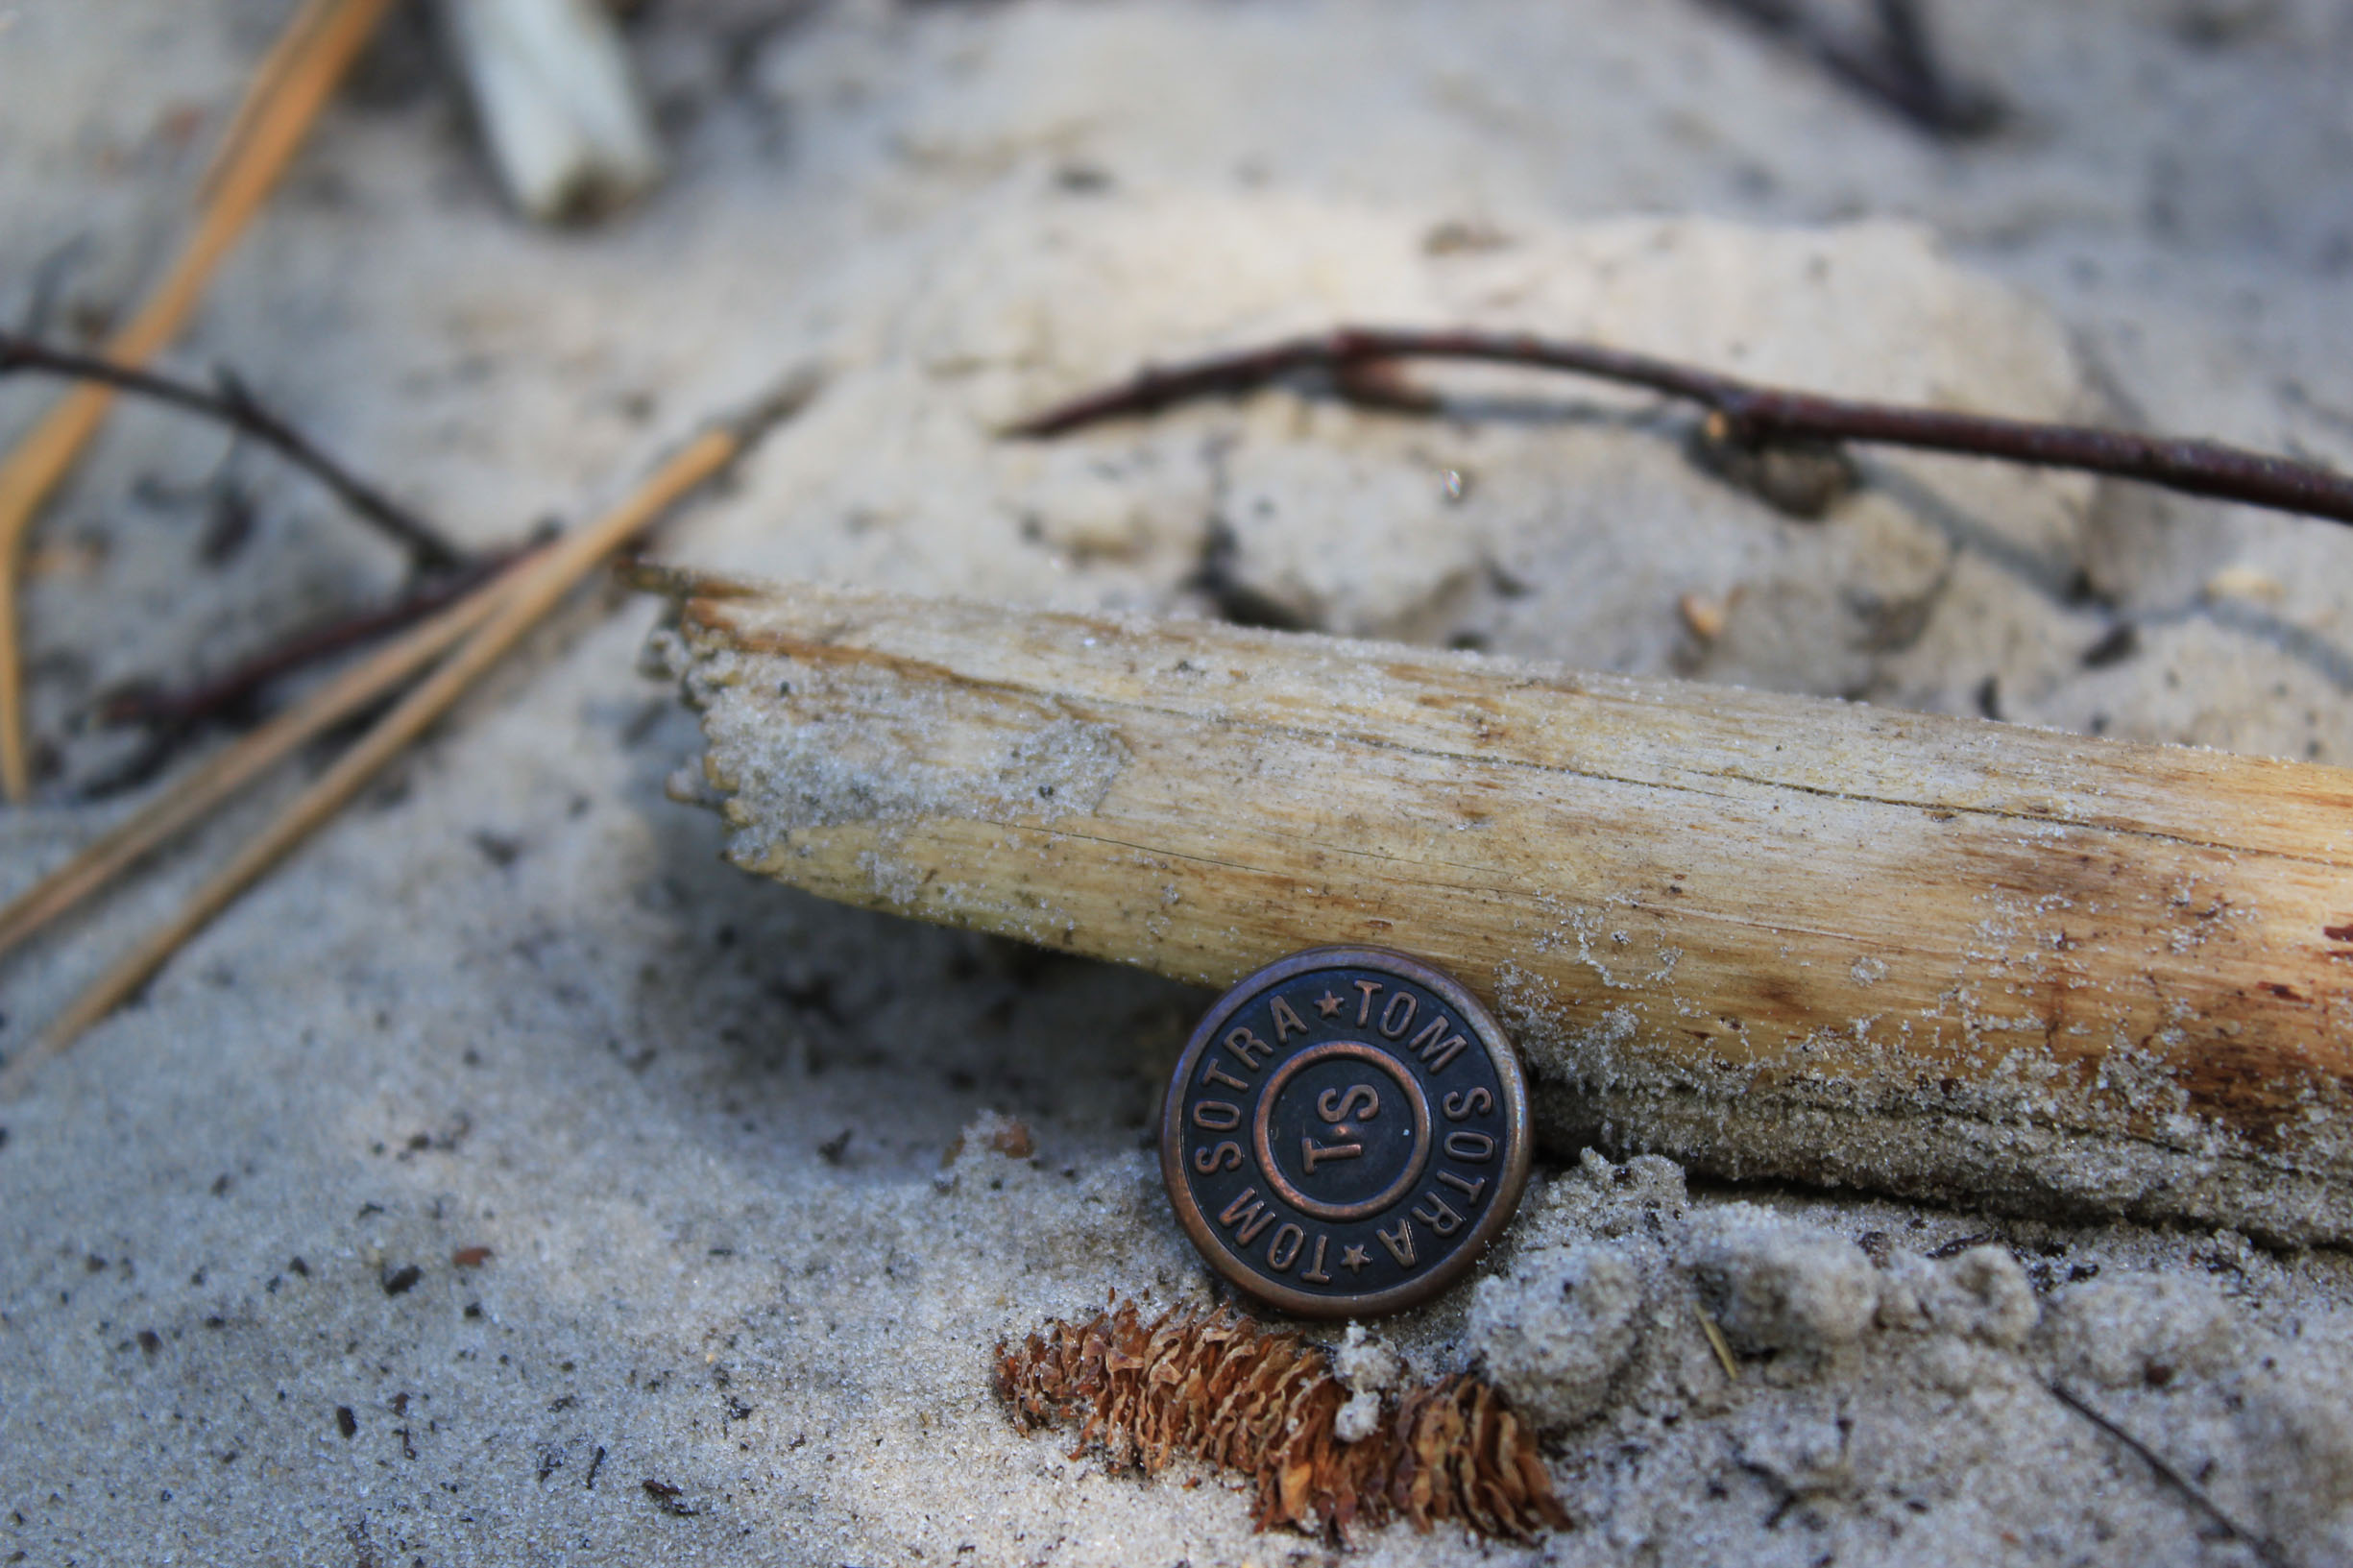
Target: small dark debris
(595, 1464)
(561, 1402)
(668, 1498)
(473, 1308)
(1989, 697)
(367, 1208)
(835, 1147)
(2122, 641)
(471, 1257)
(1962, 1243)
(220, 1186)
(1456, 236)
(346, 1422)
(550, 1461)
(642, 723)
(150, 1341)
(93, 1264)
(2157, 1374)
(1801, 479)
(815, 997)
(500, 850)
(401, 1280)
(229, 526)
(297, 1265)
(737, 1410)
(420, 1142)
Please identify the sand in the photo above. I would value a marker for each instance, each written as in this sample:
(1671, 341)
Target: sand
(514, 1002)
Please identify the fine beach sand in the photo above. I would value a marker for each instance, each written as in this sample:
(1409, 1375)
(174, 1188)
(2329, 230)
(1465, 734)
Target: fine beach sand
(728, 1149)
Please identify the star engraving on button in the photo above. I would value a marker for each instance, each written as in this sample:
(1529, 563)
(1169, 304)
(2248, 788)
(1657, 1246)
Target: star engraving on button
(1354, 1258)
(1327, 1005)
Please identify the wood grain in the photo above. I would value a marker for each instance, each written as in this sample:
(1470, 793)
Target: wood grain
(1770, 937)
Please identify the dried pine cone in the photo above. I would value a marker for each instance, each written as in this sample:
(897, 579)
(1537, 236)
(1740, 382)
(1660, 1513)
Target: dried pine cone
(1221, 1388)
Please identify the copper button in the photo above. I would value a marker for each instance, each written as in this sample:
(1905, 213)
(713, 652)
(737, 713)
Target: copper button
(1346, 1131)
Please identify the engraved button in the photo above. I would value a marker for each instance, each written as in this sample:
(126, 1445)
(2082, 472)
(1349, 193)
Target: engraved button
(1346, 1131)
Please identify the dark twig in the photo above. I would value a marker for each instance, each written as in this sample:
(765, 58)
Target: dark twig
(1900, 68)
(2265, 1550)
(1744, 414)
(236, 408)
(205, 701)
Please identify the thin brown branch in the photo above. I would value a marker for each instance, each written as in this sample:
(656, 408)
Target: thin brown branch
(221, 777)
(521, 604)
(235, 406)
(286, 97)
(2267, 1551)
(206, 701)
(1900, 68)
(1744, 412)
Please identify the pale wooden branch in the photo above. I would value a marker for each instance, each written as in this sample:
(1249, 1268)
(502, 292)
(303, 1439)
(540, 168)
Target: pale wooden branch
(292, 86)
(1771, 937)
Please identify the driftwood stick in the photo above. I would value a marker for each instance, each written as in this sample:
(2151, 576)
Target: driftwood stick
(293, 85)
(1771, 937)
(1743, 413)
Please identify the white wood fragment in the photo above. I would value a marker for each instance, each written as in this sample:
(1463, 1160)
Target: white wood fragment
(559, 107)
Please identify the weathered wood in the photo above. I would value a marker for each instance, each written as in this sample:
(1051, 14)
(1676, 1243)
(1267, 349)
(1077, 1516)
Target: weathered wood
(1771, 937)
(559, 106)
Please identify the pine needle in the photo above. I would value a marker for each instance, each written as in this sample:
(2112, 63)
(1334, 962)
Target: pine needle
(292, 86)
(221, 777)
(522, 598)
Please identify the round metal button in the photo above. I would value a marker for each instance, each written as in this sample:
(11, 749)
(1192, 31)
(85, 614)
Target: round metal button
(1346, 1131)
